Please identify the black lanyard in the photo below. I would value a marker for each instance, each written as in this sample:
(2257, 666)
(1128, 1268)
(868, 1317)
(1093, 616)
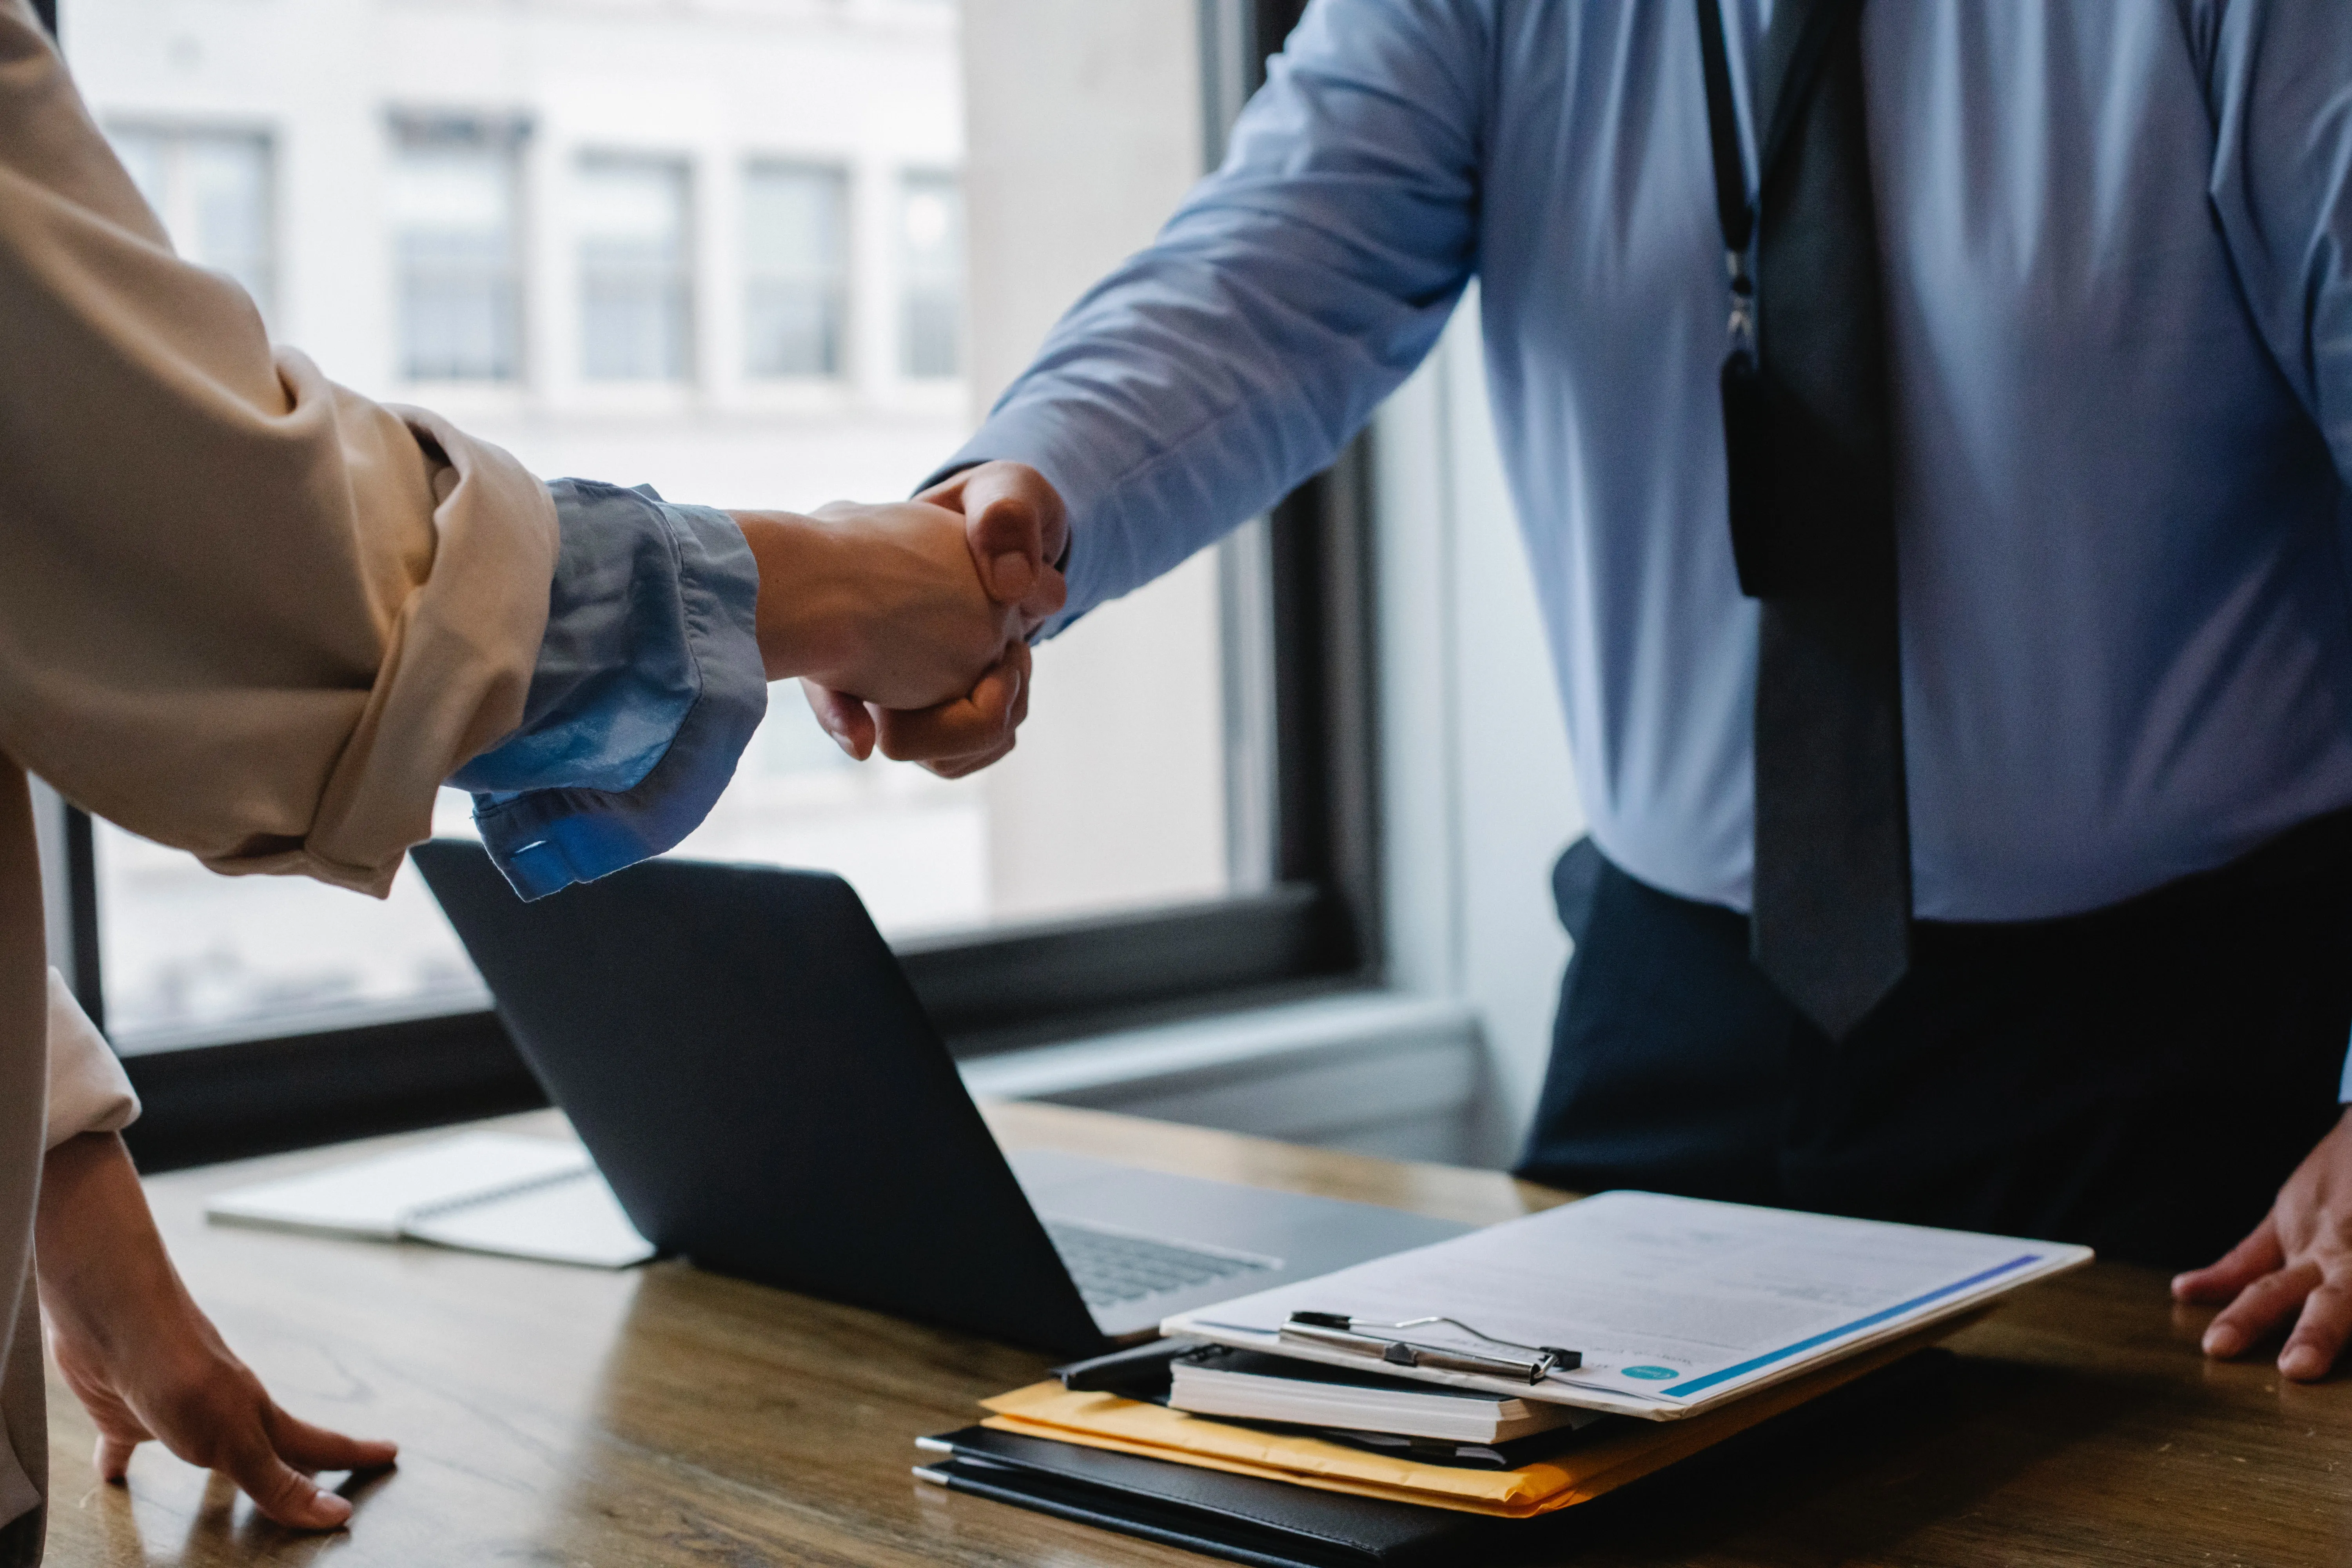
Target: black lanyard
(1747, 399)
(1733, 211)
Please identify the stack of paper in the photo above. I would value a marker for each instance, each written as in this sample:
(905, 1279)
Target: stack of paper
(1701, 1320)
(1672, 1305)
(1580, 1473)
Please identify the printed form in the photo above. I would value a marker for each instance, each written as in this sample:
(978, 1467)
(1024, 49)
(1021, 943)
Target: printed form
(1676, 1304)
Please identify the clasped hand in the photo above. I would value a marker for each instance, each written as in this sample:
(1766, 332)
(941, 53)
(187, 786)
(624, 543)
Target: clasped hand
(909, 623)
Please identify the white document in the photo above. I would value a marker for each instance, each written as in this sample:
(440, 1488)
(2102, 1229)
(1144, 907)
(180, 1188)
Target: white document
(1676, 1304)
(486, 1191)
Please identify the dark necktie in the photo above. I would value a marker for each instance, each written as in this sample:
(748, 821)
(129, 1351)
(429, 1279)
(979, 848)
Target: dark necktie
(1813, 520)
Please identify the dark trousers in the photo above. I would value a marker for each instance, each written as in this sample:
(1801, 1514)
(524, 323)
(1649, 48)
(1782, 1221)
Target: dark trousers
(2141, 1077)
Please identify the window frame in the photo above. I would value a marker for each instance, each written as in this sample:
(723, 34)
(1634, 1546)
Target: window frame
(1298, 631)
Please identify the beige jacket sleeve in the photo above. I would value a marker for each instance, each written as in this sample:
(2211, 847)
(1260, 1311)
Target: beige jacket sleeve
(89, 1091)
(243, 611)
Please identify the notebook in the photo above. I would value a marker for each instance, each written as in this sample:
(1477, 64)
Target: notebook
(1251, 1385)
(486, 1192)
(1663, 1307)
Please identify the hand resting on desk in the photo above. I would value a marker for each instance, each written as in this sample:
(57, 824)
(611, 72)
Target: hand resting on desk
(2296, 1266)
(145, 1361)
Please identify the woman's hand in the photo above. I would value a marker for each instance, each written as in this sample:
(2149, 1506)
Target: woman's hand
(145, 1361)
(880, 603)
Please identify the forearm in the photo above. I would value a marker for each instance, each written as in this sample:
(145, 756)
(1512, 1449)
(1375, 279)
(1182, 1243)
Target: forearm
(96, 1239)
(1292, 290)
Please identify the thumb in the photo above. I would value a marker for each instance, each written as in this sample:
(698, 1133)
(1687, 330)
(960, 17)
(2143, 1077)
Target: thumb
(1015, 523)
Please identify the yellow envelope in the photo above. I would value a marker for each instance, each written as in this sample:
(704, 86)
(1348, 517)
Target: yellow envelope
(1578, 1475)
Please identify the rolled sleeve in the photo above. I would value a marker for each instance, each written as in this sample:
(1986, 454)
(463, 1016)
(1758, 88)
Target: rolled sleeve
(89, 1091)
(647, 688)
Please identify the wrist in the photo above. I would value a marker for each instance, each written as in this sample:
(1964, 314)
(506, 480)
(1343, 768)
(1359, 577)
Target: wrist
(99, 1252)
(804, 612)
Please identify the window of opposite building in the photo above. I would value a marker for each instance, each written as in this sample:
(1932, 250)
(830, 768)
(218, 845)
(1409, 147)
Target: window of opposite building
(636, 285)
(212, 189)
(453, 207)
(930, 240)
(795, 270)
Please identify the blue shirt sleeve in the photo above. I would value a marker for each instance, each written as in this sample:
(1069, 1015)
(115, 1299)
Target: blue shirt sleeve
(648, 685)
(2282, 191)
(1293, 290)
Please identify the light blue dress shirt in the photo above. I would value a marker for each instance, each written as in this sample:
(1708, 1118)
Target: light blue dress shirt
(648, 685)
(2117, 239)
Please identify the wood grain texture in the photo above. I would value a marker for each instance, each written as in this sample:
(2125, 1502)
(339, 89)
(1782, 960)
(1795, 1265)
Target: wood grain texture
(667, 1418)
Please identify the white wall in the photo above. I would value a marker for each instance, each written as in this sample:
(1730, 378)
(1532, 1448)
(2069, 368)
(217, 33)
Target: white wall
(1479, 797)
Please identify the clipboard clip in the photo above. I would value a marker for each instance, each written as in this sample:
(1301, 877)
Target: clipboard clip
(1339, 1332)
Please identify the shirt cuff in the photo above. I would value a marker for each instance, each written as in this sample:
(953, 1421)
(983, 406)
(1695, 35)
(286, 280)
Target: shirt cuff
(648, 685)
(2343, 1086)
(89, 1091)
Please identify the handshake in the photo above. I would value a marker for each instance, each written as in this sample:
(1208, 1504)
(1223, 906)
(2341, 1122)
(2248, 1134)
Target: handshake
(907, 623)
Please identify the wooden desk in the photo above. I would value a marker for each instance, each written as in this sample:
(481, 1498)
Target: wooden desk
(552, 1416)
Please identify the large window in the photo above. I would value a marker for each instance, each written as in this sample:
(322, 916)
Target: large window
(724, 249)
(453, 213)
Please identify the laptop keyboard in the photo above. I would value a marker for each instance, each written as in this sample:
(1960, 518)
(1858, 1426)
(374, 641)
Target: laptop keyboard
(1111, 1268)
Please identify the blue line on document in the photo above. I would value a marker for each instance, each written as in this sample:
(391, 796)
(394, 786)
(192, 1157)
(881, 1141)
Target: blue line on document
(1682, 1390)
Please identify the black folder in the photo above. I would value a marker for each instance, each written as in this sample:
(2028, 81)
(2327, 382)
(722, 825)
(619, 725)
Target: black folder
(1269, 1525)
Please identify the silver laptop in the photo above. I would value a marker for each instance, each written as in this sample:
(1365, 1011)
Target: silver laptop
(739, 1048)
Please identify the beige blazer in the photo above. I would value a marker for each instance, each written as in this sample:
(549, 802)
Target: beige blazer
(243, 611)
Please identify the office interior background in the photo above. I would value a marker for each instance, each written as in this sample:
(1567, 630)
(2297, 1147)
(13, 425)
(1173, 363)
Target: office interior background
(1273, 852)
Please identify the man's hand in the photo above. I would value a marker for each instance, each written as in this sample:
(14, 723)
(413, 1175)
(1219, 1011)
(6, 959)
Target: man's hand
(881, 604)
(145, 1361)
(1016, 529)
(2297, 1266)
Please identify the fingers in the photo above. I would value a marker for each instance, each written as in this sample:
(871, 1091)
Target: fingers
(972, 730)
(281, 1493)
(112, 1459)
(2261, 1308)
(2258, 1254)
(309, 1448)
(2319, 1334)
(1016, 526)
(843, 717)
